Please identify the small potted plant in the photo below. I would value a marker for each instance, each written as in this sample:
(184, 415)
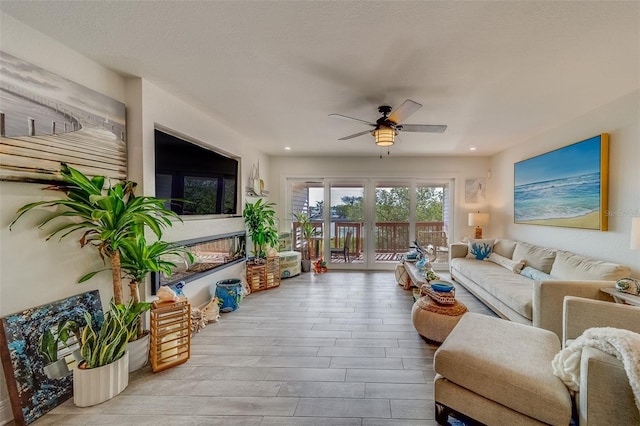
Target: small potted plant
(307, 232)
(49, 345)
(104, 372)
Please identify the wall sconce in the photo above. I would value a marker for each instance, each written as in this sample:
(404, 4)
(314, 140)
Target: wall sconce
(384, 135)
(478, 220)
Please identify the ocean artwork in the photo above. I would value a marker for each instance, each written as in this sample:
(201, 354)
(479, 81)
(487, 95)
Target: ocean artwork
(47, 119)
(31, 392)
(565, 187)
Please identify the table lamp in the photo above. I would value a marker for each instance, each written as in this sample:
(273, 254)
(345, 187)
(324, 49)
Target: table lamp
(478, 220)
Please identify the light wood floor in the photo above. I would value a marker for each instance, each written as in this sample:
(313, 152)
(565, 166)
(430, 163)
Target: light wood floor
(331, 349)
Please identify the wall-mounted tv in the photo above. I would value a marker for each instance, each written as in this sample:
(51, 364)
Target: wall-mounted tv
(197, 180)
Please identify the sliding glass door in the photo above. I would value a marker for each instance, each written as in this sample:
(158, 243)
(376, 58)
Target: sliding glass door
(370, 223)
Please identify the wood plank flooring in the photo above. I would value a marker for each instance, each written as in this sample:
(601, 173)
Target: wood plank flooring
(323, 350)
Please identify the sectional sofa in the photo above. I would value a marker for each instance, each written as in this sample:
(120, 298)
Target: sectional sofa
(536, 297)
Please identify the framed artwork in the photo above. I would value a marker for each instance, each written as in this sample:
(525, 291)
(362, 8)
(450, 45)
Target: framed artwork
(47, 119)
(475, 191)
(566, 187)
(31, 392)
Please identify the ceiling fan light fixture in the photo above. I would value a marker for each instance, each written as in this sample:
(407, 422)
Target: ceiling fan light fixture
(384, 136)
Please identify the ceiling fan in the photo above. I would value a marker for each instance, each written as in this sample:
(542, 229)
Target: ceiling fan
(386, 128)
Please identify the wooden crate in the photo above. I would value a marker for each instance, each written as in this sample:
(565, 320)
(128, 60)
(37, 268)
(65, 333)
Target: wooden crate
(170, 343)
(262, 276)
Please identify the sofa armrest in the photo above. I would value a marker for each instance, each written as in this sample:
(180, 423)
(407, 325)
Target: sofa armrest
(605, 393)
(548, 299)
(581, 314)
(457, 250)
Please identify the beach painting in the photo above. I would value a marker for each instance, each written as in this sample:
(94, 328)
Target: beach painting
(47, 119)
(566, 187)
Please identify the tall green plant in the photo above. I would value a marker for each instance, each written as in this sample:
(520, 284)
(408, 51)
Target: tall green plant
(307, 231)
(261, 224)
(139, 259)
(105, 215)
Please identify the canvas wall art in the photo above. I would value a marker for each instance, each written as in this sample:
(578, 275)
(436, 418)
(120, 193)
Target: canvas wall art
(566, 187)
(475, 191)
(31, 392)
(47, 119)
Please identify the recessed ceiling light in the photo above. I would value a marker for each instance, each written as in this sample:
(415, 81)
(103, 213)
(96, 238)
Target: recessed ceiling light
(287, 148)
(473, 148)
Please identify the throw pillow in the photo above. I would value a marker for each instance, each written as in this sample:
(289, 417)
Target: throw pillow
(479, 249)
(535, 274)
(512, 265)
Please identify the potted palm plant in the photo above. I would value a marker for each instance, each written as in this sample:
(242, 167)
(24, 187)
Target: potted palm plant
(104, 373)
(138, 259)
(106, 215)
(261, 224)
(307, 233)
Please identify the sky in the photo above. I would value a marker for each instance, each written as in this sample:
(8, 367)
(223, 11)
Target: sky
(573, 160)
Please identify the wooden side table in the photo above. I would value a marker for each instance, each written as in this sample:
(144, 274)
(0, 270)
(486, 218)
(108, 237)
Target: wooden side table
(622, 297)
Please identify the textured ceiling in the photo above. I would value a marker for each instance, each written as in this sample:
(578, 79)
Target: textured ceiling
(495, 72)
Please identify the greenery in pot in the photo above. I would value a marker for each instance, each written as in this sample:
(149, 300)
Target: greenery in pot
(102, 344)
(106, 215)
(48, 343)
(308, 232)
(138, 259)
(261, 224)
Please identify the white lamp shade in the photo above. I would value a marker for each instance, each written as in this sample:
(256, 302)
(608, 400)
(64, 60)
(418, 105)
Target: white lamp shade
(635, 233)
(478, 219)
(384, 136)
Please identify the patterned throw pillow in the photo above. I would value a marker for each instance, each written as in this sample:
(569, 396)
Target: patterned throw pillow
(479, 249)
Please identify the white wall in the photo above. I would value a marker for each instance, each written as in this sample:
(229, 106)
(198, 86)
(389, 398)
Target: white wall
(456, 168)
(621, 119)
(32, 271)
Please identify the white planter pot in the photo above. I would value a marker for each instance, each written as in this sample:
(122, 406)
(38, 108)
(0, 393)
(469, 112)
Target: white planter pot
(57, 370)
(95, 385)
(138, 353)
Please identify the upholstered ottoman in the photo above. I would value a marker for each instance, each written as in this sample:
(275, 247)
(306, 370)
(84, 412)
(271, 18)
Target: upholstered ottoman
(499, 372)
(434, 321)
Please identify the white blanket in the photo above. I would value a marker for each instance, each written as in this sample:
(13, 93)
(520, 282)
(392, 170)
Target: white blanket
(623, 344)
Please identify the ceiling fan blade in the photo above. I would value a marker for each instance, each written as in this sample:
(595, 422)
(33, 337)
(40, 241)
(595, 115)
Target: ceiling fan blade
(355, 135)
(401, 113)
(344, 117)
(424, 128)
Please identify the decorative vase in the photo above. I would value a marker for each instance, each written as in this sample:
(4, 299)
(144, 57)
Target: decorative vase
(138, 352)
(92, 386)
(57, 369)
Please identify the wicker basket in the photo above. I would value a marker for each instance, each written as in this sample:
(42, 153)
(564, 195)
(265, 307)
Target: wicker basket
(262, 276)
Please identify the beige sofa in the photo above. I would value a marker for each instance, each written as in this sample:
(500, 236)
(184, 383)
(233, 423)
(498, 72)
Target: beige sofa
(500, 373)
(527, 301)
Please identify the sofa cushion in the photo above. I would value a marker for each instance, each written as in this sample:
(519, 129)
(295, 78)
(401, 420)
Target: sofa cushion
(507, 363)
(504, 248)
(513, 290)
(571, 266)
(479, 249)
(508, 264)
(535, 274)
(537, 257)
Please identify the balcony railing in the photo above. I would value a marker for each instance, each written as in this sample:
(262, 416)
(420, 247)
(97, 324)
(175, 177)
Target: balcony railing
(390, 237)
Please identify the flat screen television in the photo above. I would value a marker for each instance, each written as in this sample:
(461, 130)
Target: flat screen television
(196, 180)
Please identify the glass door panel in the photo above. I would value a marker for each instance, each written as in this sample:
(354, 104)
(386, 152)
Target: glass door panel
(307, 199)
(432, 216)
(346, 222)
(392, 221)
